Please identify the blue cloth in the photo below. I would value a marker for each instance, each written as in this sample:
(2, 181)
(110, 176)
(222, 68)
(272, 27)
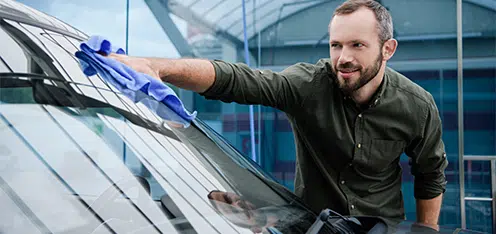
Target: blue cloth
(139, 87)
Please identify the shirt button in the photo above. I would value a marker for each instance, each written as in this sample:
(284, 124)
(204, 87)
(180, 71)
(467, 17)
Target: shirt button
(359, 115)
(359, 146)
(342, 181)
(352, 207)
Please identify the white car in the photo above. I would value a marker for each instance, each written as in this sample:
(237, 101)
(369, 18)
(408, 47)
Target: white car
(77, 156)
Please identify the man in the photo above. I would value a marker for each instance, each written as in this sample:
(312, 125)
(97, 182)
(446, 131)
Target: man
(352, 116)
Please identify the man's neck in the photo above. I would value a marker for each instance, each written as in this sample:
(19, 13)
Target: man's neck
(363, 95)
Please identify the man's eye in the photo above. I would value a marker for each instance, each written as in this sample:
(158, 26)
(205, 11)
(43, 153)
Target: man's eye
(358, 45)
(334, 45)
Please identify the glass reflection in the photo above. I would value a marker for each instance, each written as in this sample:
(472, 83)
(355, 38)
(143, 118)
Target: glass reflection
(257, 218)
(12, 53)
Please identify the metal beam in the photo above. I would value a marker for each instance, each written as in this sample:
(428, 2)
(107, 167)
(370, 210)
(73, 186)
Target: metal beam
(461, 142)
(279, 19)
(176, 8)
(493, 185)
(492, 199)
(489, 4)
(479, 157)
(161, 13)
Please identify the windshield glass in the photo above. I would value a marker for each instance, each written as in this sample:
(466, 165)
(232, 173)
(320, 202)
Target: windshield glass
(77, 156)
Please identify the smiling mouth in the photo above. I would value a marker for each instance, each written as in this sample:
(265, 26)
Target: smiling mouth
(347, 71)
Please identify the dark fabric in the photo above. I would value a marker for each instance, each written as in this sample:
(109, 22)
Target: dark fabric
(347, 155)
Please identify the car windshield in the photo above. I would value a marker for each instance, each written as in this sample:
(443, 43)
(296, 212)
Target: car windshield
(76, 156)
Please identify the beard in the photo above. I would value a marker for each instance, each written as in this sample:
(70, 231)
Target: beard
(349, 86)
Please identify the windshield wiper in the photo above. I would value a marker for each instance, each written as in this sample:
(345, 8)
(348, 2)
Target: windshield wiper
(326, 223)
(340, 225)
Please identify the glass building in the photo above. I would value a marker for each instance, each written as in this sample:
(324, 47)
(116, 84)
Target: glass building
(446, 46)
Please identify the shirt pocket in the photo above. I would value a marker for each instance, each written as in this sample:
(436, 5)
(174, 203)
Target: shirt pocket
(383, 153)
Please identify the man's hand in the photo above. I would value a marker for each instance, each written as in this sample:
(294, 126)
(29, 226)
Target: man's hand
(196, 75)
(142, 65)
(428, 212)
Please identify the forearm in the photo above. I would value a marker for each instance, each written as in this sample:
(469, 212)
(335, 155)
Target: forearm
(235, 82)
(191, 74)
(428, 211)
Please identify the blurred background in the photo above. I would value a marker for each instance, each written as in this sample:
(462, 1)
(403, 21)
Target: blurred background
(280, 33)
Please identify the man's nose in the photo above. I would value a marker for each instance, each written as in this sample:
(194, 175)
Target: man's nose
(346, 56)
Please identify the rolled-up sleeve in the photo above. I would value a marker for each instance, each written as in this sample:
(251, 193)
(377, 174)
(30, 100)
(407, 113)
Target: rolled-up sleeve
(428, 156)
(236, 82)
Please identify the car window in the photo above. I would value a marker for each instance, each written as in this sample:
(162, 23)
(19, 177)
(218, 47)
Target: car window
(97, 158)
(31, 183)
(12, 54)
(61, 59)
(70, 45)
(28, 12)
(3, 66)
(69, 178)
(12, 216)
(91, 157)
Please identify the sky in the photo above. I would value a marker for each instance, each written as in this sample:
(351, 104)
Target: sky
(108, 18)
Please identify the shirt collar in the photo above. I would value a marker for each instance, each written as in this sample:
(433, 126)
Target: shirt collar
(376, 98)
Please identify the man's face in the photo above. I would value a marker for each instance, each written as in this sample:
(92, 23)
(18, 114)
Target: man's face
(355, 50)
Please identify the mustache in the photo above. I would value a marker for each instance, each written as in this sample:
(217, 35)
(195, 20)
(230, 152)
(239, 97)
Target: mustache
(348, 67)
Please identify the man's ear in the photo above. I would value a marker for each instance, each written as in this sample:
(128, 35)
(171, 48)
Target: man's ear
(389, 48)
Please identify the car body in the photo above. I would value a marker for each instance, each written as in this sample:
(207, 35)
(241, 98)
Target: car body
(78, 156)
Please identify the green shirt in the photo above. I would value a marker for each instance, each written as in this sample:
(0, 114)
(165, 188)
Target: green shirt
(347, 155)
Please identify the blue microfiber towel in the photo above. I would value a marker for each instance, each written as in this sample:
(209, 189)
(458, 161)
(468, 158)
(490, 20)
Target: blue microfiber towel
(139, 87)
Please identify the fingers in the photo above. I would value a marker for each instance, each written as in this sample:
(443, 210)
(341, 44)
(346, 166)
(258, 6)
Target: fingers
(114, 55)
(120, 58)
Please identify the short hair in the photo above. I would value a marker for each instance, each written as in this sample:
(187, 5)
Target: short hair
(382, 15)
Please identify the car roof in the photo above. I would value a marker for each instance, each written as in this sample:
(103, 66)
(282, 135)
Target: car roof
(12, 10)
